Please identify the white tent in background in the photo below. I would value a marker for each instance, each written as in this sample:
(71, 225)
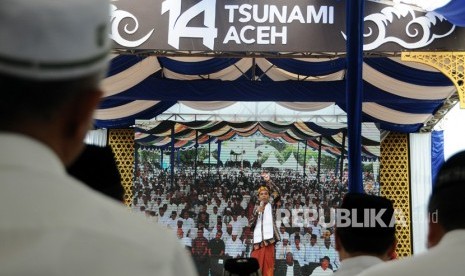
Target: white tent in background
(271, 162)
(291, 163)
(211, 161)
(266, 149)
(312, 162)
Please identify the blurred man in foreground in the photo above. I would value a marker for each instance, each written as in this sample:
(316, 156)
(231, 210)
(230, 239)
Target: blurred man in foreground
(446, 236)
(360, 244)
(52, 57)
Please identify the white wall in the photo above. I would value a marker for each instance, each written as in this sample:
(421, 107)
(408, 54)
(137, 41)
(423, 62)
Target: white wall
(420, 187)
(454, 131)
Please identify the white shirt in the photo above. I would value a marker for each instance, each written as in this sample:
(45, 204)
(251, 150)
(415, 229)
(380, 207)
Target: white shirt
(173, 207)
(443, 259)
(234, 248)
(225, 237)
(332, 254)
(210, 208)
(283, 236)
(318, 271)
(299, 254)
(244, 203)
(187, 224)
(292, 238)
(164, 220)
(355, 265)
(156, 207)
(213, 219)
(212, 234)
(246, 198)
(62, 227)
(289, 270)
(282, 250)
(237, 227)
(173, 223)
(206, 233)
(313, 253)
(165, 201)
(316, 230)
(186, 241)
(181, 207)
(243, 220)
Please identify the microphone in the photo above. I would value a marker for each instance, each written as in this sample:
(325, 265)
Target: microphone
(261, 205)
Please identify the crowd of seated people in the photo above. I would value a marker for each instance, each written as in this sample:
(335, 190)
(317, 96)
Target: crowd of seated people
(208, 210)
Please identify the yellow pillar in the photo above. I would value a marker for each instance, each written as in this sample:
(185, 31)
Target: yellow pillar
(395, 185)
(122, 143)
(450, 64)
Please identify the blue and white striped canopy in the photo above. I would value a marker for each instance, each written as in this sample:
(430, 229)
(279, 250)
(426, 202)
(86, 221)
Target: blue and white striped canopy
(398, 96)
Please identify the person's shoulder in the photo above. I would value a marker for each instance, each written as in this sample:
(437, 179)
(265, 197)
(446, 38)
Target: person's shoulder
(89, 226)
(408, 266)
(385, 269)
(127, 254)
(102, 213)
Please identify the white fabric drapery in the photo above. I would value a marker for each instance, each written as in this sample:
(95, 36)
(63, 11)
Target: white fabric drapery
(124, 110)
(128, 78)
(404, 89)
(213, 105)
(390, 115)
(278, 74)
(228, 74)
(305, 106)
(420, 187)
(97, 137)
(138, 72)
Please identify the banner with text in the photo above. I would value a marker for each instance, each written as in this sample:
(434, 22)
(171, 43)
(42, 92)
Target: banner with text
(274, 26)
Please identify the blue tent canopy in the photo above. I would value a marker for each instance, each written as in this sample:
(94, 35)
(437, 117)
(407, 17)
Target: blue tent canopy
(414, 94)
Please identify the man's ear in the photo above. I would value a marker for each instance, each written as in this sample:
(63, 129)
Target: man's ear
(81, 111)
(435, 233)
(78, 118)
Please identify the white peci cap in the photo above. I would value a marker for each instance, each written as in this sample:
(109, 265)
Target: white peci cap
(54, 39)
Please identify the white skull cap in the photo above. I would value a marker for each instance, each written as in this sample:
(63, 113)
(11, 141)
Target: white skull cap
(54, 39)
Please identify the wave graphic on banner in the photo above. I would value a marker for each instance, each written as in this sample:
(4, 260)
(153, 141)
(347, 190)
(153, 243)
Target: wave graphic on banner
(116, 17)
(418, 28)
